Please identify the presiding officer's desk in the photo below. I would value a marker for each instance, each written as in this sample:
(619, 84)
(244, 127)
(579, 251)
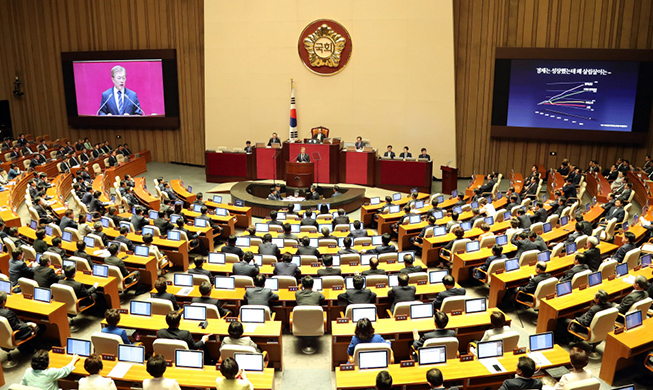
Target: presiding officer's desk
(622, 349)
(53, 315)
(186, 377)
(267, 336)
(578, 302)
(471, 374)
(235, 298)
(556, 267)
(468, 327)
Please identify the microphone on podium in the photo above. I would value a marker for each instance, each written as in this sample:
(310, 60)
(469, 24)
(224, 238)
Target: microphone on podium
(139, 107)
(449, 162)
(103, 104)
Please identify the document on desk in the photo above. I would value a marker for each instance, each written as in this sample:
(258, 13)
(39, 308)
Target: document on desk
(630, 279)
(539, 358)
(250, 328)
(101, 253)
(493, 365)
(185, 291)
(120, 370)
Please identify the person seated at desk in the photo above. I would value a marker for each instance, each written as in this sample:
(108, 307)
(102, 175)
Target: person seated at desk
(156, 366)
(524, 241)
(98, 231)
(374, 268)
(306, 296)
(231, 247)
(313, 194)
(524, 219)
(14, 171)
(267, 247)
(336, 192)
(617, 212)
(424, 155)
(84, 295)
(523, 379)
(497, 325)
(40, 246)
(580, 265)
(405, 153)
(163, 222)
(44, 275)
(273, 217)
(569, 189)
(485, 228)
(383, 381)
(578, 232)
(305, 249)
(513, 202)
(112, 316)
(624, 196)
(620, 254)
(487, 208)
(205, 289)
(358, 294)
(579, 361)
(122, 238)
(18, 269)
(93, 365)
(409, 268)
(130, 198)
(359, 144)
(173, 332)
(21, 329)
(68, 220)
(274, 194)
(194, 241)
(236, 337)
(40, 207)
(451, 290)
(364, 333)
(491, 181)
(81, 253)
(137, 219)
(199, 269)
(217, 230)
(385, 246)
(326, 234)
(244, 267)
(328, 269)
(341, 219)
(161, 287)
(96, 205)
(303, 157)
(112, 259)
(287, 233)
(449, 227)
(248, 147)
(435, 379)
(286, 267)
(42, 377)
(274, 140)
(56, 248)
(389, 152)
(639, 292)
(259, 295)
(497, 254)
(459, 234)
(232, 378)
(347, 249)
(358, 230)
(562, 335)
(403, 292)
(408, 212)
(441, 320)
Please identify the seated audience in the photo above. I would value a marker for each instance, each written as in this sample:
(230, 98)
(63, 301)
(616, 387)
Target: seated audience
(450, 290)
(364, 333)
(441, 320)
(358, 294)
(328, 269)
(173, 332)
(401, 293)
(259, 295)
(161, 287)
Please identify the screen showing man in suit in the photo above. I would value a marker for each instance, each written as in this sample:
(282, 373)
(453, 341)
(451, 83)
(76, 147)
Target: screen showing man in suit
(119, 100)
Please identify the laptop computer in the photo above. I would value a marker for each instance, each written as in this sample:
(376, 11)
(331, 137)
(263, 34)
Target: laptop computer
(473, 246)
(563, 289)
(250, 361)
(225, 283)
(140, 308)
(194, 313)
(373, 359)
(489, 349)
(272, 284)
(432, 355)
(622, 269)
(540, 341)
(5, 286)
(174, 235)
(396, 196)
(183, 280)
(153, 214)
(546, 227)
(78, 347)
(363, 312)
(66, 236)
(131, 353)
(373, 201)
(42, 294)
(501, 240)
(633, 320)
(475, 305)
(252, 315)
(512, 264)
(100, 270)
(594, 279)
(437, 276)
(424, 310)
(142, 251)
(216, 258)
(217, 199)
(544, 256)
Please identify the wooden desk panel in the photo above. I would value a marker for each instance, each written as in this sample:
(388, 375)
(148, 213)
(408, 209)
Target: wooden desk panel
(182, 192)
(404, 175)
(53, 315)
(623, 348)
(225, 167)
(368, 211)
(243, 214)
(140, 190)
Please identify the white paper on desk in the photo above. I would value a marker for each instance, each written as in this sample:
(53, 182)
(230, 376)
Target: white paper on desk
(250, 328)
(120, 370)
(539, 358)
(101, 253)
(490, 362)
(644, 222)
(630, 279)
(185, 291)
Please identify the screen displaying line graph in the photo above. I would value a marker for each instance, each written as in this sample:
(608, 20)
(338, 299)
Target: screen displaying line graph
(591, 95)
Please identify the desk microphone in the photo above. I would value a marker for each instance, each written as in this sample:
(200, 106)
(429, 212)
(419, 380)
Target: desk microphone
(102, 106)
(449, 162)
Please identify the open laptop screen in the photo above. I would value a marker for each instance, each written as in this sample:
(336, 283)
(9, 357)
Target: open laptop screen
(189, 359)
(373, 359)
(432, 355)
(489, 349)
(540, 342)
(131, 353)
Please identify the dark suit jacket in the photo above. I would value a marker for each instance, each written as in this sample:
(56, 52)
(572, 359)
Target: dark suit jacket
(329, 271)
(437, 333)
(130, 103)
(309, 221)
(357, 296)
(211, 301)
(113, 260)
(177, 334)
(373, 272)
(630, 299)
(40, 246)
(283, 268)
(531, 286)
(520, 383)
(524, 221)
(309, 297)
(164, 225)
(201, 271)
(138, 221)
(569, 191)
(411, 269)
(358, 233)
(167, 296)
(522, 245)
(260, 296)
(620, 254)
(586, 319)
(232, 249)
(307, 251)
(401, 294)
(539, 216)
(344, 220)
(16, 323)
(244, 268)
(616, 212)
(437, 302)
(593, 257)
(268, 248)
(45, 276)
(80, 290)
(67, 222)
(126, 241)
(569, 275)
(303, 157)
(385, 249)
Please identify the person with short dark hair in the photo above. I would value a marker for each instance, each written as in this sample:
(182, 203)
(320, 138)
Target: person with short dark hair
(41, 376)
(449, 284)
(383, 381)
(435, 379)
(639, 292)
(112, 316)
(600, 303)
(93, 365)
(138, 220)
(232, 378)
(328, 269)
(497, 254)
(205, 289)
(579, 266)
(161, 286)
(22, 330)
(259, 295)
(286, 267)
(245, 266)
(441, 320)
(629, 245)
(401, 293)
(364, 333)
(306, 296)
(579, 360)
(112, 259)
(40, 246)
(235, 331)
(523, 380)
(359, 294)
(347, 249)
(385, 246)
(498, 325)
(199, 269)
(267, 247)
(231, 247)
(84, 296)
(156, 366)
(358, 230)
(409, 266)
(173, 332)
(308, 219)
(18, 268)
(287, 233)
(44, 275)
(306, 249)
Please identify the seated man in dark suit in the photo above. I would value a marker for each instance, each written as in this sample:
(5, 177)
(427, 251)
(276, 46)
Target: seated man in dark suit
(161, 287)
(385, 246)
(122, 238)
(259, 295)
(358, 294)
(341, 219)
(313, 194)
(401, 293)
(328, 269)
(199, 269)
(306, 249)
(308, 219)
(441, 320)
(374, 268)
(579, 266)
(244, 267)
(617, 212)
(173, 332)
(497, 254)
(22, 330)
(68, 220)
(569, 189)
(389, 152)
(523, 380)
(231, 247)
(303, 157)
(347, 249)
(205, 290)
(286, 267)
(274, 140)
(80, 290)
(620, 254)
(531, 286)
(44, 275)
(163, 222)
(539, 213)
(450, 290)
(420, 237)
(306, 296)
(358, 230)
(435, 380)
(562, 335)
(639, 292)
(409, 268)
(524, 220)
(592, 254)
(287, 233)
(405, 153)
(138, 220)
(274, 195)
(523, 243)
(578, 232)
(326, 234)
(268, 248)
(273, 218)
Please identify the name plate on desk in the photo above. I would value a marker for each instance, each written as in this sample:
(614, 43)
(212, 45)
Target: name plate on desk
(612, 277)
(231, 319)
(551, 296)
(619, 330)
(169, 282)
(392, 261)
(421, 282)
(354, 263)
(331, 246)
(87, 272)
(519, 351)
(401, 317)
(346, 367)
(583, 287)
(407, 363)
(637, 268)
(380, 285)
(342, 320)
(336, 288)
(109, 357)
(367, 244)
(28, 296)
(499, 272)
(467, 358)
(293, 288)
(123, 311)
(315, 265)
(58, 350)
(457, 313)
(532, 263)
(460, 252)
(168, 363)
(247, 287)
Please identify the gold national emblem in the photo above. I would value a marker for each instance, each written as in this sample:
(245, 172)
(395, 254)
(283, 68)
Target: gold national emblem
(324, 47)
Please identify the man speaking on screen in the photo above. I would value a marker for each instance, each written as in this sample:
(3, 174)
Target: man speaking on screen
(119, 100)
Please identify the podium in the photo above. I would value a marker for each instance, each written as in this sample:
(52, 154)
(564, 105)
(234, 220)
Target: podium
(449, 179)
(299, 175)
